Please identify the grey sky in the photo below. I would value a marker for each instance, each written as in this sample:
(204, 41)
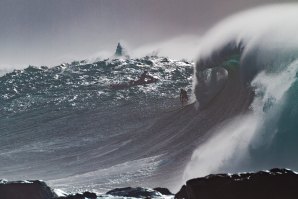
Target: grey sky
(47, 32)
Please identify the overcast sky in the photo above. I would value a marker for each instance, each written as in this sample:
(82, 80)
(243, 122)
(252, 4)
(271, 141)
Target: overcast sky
(49, 32)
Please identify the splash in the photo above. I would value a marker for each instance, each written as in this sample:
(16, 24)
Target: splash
(263, 40)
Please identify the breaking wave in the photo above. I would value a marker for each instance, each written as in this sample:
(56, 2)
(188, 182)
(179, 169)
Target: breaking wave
(259, 48)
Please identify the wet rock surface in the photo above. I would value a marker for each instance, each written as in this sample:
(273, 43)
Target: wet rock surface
(273, 184)
(87, 194)
(137, 192)
(276, 183)
(25, 190)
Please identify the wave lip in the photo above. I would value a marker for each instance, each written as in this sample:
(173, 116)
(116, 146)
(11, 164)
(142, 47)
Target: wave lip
(261, 40)
(259, 51)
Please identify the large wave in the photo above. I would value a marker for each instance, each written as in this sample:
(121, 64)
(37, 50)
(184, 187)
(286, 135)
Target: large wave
(65, 125)
(259, 48)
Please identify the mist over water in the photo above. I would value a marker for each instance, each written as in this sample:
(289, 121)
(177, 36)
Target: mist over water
(182, 47)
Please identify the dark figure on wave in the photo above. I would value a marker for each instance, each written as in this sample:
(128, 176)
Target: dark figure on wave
(144, 79)
(183, 97)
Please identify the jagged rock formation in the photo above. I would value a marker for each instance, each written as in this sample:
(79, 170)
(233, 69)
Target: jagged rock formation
(85, 195)
(39, 190)
(273, 184)
(138, 192)
(25, 190)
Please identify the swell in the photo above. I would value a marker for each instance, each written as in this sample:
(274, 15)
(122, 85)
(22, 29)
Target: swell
(66, 126)
(179, 133)
(128, 145)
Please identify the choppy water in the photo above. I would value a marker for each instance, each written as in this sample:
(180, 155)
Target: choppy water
(65, 124)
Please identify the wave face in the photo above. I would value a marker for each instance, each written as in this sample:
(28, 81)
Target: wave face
(259, 49)
(67, 126)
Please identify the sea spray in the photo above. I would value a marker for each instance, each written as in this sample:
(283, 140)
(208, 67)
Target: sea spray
(229, 149)
(266, 48)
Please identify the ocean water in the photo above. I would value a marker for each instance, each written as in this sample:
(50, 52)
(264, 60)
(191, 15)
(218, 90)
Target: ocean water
(67, 125)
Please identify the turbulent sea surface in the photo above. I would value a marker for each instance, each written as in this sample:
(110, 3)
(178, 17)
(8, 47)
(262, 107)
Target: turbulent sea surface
(66, 125)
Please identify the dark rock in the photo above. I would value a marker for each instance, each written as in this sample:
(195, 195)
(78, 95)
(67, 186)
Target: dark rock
(25, 190)
(84, 195)
(163, 191)
(89, 195)
(77, 196)
(134, 192)
(273, 184)
(182, 193)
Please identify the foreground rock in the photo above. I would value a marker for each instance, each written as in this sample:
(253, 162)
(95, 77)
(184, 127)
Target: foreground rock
(139, 192)
(163, 191)
(25, 190)
(39, 190)
(85, 195)
(273, 184)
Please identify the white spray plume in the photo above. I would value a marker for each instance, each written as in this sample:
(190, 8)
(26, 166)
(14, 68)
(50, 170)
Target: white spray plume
(229, 143)
(182, 47)
(275, 23)
(271, 32)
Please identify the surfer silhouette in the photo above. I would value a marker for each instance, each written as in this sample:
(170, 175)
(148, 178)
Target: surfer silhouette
(183, 96)
(145, 78)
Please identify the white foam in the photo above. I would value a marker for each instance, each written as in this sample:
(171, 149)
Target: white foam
(108, 178)
(271, 30)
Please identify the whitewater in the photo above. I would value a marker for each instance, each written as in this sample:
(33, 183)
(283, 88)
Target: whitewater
(65, 124)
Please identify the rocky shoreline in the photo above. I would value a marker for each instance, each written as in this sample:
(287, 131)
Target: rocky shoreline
(274, 183)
